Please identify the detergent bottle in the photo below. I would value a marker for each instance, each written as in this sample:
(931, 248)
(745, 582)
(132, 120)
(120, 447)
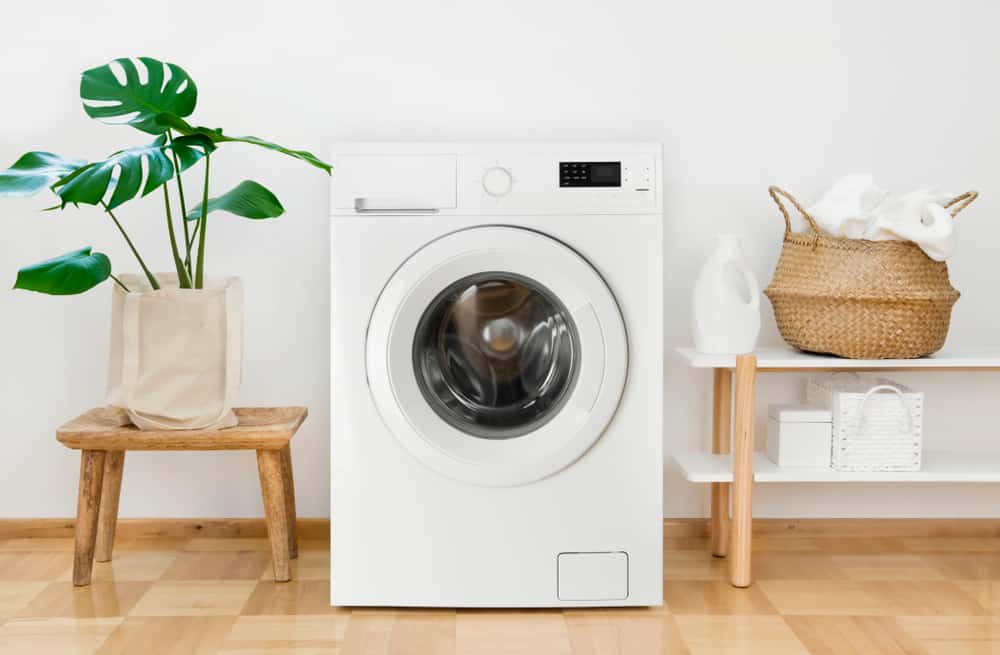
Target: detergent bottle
(726, 302)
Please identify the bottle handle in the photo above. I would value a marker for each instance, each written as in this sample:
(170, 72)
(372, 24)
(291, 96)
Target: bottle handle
(752, 286)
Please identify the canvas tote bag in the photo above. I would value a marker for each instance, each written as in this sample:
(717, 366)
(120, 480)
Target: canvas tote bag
(176, 354)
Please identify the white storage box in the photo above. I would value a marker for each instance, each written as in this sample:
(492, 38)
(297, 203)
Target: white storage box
(799, 435)
(877, 423)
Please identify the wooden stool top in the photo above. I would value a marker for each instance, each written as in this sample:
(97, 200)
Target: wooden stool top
(260, 428)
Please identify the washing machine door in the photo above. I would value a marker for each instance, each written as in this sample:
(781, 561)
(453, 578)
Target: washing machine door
(496, 355)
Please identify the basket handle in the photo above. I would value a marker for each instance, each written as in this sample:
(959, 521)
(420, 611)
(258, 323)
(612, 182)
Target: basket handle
(958, 203)
(905, 424)
(778, 191)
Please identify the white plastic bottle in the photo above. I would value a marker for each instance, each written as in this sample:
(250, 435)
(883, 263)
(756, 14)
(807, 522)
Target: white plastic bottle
(726, 301)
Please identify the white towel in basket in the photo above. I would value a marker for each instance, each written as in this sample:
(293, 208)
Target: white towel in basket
(857, 208)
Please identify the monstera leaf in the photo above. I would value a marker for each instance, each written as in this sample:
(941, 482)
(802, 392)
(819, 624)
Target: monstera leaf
(89, 184)
(303, 155)
(247, 199)
(190, 148)
(154, 96)
(218, 136)
(74, 272)
(141, 90)
(35, 171)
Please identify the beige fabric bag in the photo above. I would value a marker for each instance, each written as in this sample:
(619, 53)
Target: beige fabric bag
(176, 354)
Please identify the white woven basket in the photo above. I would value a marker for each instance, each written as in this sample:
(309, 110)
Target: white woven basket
(877, 423)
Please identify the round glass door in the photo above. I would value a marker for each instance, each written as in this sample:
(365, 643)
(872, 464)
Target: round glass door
(495, 355)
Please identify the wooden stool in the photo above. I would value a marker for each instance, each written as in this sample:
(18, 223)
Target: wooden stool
(102, 440)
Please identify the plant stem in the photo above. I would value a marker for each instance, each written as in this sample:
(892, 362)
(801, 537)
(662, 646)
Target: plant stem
(188, 239)
(199, 276)
(184, 281)
(149, 276)
(119, 283)
(190, 243)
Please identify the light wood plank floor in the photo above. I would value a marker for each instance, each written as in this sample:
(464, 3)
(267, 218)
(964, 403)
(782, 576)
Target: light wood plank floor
(829, 596)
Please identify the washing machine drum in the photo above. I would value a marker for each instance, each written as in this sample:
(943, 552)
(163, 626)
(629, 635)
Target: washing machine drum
(496, 355)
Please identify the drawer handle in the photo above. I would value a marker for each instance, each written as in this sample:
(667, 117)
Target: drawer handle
(387, 205)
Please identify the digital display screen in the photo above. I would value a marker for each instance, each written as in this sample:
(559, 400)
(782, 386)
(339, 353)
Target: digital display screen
(606, 174)
(590, 174)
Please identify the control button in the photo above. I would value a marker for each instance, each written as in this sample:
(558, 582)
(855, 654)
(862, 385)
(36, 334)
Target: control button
(497, 181)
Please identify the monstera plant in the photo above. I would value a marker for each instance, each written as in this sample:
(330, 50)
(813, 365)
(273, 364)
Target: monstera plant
(157, 98)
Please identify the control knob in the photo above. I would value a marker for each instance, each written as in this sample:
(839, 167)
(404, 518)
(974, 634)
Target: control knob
(497, 181)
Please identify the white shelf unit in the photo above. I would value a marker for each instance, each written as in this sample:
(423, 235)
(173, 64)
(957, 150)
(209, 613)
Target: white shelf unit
(704, 467)
(734, 389)
(786, 359)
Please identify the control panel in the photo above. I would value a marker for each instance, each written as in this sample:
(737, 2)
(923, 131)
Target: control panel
(498, 179)
(590, 173)
(585, 182)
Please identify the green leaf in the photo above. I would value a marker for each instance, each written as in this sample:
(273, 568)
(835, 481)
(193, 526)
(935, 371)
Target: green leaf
(247, 199)
(123, 171)
(35, 171)
(166, 89)
(190, 148)
(305, 156)
(217, 136)
(72, 273)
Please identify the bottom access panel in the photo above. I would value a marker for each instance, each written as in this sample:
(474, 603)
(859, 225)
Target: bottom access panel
(593, 576)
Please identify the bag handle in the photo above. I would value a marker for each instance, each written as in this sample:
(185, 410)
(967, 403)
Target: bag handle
(905, 424)
(778, 191)
(958, 203)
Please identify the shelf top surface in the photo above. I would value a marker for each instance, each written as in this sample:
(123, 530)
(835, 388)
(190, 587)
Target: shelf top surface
(937, 467)
(788, 358)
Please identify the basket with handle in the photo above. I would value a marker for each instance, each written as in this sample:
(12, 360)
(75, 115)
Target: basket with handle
(877, 424)
(857, 298)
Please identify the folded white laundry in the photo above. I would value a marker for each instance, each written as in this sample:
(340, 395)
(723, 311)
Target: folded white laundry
(856, 208)
(918, 216)
(847, 208)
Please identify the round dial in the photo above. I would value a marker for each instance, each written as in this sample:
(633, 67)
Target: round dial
(497, 181)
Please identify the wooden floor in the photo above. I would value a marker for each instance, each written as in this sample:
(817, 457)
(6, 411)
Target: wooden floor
(831, 596)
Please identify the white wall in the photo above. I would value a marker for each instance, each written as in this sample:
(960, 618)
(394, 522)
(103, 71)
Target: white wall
(742, 95)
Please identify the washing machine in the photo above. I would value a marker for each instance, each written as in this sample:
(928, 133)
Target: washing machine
(496, 374)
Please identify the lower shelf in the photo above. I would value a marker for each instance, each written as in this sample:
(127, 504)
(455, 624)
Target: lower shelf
(937, 467)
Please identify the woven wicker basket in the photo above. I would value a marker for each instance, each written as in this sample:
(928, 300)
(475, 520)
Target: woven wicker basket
(857, 298)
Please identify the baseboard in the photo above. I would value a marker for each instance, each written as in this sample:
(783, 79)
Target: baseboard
(162, 528)
(848, 527)
(672, 528)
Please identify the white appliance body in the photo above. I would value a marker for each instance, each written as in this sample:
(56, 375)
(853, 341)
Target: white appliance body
(496, 375)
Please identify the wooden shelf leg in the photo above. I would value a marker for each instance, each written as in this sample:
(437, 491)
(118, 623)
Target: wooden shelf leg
(743, 447)
(114, 466)
(288, 482)
(272, 489)
(722, 410)
(87, 506)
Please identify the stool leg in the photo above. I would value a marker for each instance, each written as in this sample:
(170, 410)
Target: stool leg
(114, 466)
(269, 467)
(87, 506)
(288, 485)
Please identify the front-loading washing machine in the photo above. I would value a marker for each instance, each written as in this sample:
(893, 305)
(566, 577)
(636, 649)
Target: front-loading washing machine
(496, 374)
